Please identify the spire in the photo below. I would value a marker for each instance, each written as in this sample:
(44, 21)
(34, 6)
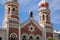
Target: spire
(31, 14)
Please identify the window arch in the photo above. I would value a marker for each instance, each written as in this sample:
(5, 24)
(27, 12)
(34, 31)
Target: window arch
(8, 10)
(13, 9)
(24, 37)
(13, 36)
(47, 17)
(31, 38)
(43, 17)
(37, 38)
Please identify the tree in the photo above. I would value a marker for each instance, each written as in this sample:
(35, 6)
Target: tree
(51, 39)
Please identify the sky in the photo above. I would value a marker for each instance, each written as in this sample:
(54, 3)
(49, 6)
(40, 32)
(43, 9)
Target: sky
(32, 5)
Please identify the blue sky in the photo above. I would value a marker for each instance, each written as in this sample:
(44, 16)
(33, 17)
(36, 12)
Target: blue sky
(27, 5)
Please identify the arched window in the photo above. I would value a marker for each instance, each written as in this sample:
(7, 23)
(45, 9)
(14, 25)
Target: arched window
(13, 9)
(47, 17)
(13, 36)
(8, 10)
(24, 37)
(43, 17)
(0, 38)
(31, 38)
(37, 38)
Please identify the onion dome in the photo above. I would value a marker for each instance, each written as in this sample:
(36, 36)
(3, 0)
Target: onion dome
(43, 3)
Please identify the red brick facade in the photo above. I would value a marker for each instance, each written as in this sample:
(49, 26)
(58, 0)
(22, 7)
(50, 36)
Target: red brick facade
(48, 34)
(25, 29)
(13, 30)
(11, 15)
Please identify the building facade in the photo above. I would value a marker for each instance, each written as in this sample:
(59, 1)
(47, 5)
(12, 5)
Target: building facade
(12, 29)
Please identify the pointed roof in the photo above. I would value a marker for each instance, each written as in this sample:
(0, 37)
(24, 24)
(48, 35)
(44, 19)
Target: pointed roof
(29, 20)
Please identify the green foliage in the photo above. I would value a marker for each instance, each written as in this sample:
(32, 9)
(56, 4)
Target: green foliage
(51, 39)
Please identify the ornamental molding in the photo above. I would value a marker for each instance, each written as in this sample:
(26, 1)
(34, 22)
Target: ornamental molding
(13, 34)
(31, 28)
(38, 26)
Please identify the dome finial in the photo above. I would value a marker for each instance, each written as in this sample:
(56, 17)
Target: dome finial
(44, 0)
(43, 3)
(31, 14)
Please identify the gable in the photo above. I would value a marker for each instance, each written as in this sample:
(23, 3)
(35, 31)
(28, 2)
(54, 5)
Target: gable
(36, 29)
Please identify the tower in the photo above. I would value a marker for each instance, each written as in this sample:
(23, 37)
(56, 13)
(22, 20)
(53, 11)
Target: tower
(11, 19)
(44, 13)
(44, 19)
(11, 13)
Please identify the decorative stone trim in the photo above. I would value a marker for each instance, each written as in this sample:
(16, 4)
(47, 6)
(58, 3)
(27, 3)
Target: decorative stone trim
(49, 30)
(13, 34)
(32, 36)
(24, 34)
(13, 25)
(40, 38)
(33, 22)
(31, 28)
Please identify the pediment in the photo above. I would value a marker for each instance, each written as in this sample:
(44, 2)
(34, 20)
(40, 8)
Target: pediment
(31, 26)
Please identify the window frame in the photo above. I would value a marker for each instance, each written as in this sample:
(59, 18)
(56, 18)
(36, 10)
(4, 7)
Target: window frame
(43, 17)
(13, 36)
(24, 37)
(9, 10)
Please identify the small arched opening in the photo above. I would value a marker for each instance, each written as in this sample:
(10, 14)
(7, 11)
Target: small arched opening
(13, 36)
